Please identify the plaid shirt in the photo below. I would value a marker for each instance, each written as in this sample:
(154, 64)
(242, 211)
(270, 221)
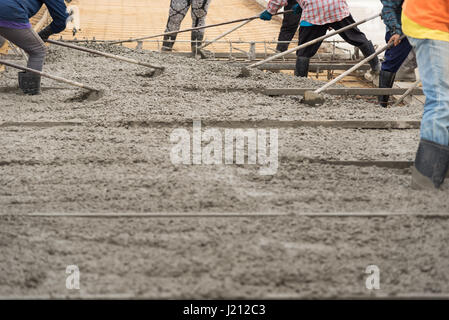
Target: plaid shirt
(317, 12)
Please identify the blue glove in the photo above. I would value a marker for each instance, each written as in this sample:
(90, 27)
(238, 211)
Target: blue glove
(297, 9)
(266, 16)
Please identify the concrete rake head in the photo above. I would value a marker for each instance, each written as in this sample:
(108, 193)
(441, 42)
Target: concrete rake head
(312, 98)
(244, 73)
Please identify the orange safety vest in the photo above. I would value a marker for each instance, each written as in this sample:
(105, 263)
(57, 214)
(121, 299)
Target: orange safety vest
(426, 19)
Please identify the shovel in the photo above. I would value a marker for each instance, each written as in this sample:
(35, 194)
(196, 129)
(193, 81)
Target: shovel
(92, 94)
(245, 72)
(157, 69)
(315, 97)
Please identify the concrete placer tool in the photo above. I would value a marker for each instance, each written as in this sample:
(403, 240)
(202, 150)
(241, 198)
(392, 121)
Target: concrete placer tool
(315, 97)
(408, 92)
(156, 68)
(245, 72)
(92, 94)
(196, 28)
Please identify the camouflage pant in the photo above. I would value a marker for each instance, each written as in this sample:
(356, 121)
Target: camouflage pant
(178, 10)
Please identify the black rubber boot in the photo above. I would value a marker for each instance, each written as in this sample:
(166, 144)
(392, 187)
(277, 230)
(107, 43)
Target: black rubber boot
(169, 42)
(30, 83)
(197, 41)
(431, 165)
(386, 80)
(367, 50)
(302, 66)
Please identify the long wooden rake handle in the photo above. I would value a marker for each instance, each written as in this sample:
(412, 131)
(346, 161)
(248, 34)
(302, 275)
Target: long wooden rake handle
(46, 75)
(333, 33)
(355, 67)
(207, 43)
(196, 28)
(105, 54)
(408, 92)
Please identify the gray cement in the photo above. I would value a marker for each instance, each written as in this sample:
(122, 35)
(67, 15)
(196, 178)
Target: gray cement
(101, 167)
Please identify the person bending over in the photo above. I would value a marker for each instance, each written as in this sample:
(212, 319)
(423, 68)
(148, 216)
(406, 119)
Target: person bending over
(15, 26)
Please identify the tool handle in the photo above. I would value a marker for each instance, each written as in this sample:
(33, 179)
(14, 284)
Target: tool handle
(407, 93)
(46, 75)
(196, 28)
(358, 65)
(104, 54)
(333, 33)
(225, 34)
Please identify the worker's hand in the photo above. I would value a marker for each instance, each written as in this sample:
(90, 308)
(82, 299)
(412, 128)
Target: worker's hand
(395, 39)
(297, 9)
(266, 16)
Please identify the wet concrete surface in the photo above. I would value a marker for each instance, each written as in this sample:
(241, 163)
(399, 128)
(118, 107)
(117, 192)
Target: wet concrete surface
(101, 166)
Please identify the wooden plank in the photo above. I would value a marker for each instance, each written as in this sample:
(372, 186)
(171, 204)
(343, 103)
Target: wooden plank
(390, 164)
(41, 124)
(243, 124)
(341, 91)
(313, 66)
(200, 215)
(164, 215)
(267, 296)
(259, 55)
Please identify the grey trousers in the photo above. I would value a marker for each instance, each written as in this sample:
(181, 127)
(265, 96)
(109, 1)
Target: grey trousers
(30, 42)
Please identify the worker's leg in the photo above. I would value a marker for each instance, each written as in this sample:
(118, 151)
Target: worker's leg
(30, 42)
(357, 38)
(303, 56)
(290, 24)
(177, 13)
(432, 159)
(394, 57)
(199, 13)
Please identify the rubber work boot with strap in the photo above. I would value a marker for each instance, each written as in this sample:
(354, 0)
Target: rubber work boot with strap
(30, 83)
(302, 66)
(431, 165)
(386, 80)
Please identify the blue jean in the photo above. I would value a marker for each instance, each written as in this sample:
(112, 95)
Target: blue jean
(395, 56)
(433, 63)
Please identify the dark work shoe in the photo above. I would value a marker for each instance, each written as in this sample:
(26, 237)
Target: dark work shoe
(30, 83)
(386, 80)
(169, 42)
(197, 42)
(302, 66)
(431, 165)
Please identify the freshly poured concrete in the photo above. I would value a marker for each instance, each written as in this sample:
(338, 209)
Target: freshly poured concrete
(106, 165)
